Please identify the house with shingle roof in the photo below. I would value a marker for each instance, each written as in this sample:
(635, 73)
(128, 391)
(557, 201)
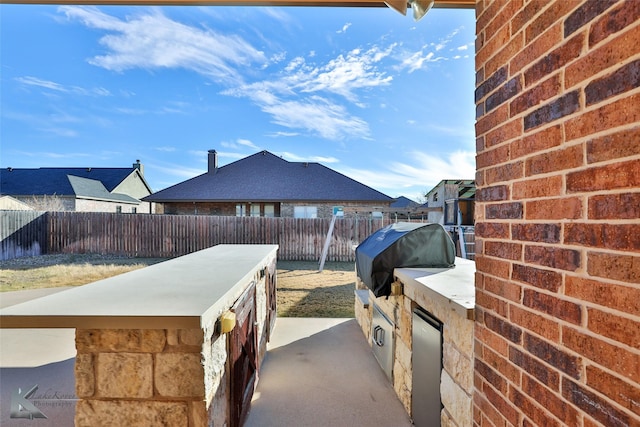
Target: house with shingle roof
(79, 189)
(264, 184)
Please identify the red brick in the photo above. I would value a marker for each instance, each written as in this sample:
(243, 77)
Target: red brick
(492, 266)
(623, 79)
(614, 21)
(504, 407)
(505, 172)
(541, 187)
(526, 15)
(543, 279)
(506, 132)
(558, 160)
(492, 157)
(549, 17)
(492, 194)
(619, 297)
(554, 60)
(624, 237)
(504, 16)
(618, 113)
(608, 177)
(542, 140)
(503, 328)
(551, 209)
(614, 357)
(553, 355)
(549, 400)
(492, 83)
(617, 51)
(621, 144)
(507, 91)
(503, 250)
(531, 232)
(534, 50)
(553, 306)
(491, 303)
(594, 405)
(538, 416)
(487, 411)
(585, 14)
(503, 211)
(535, 368)
(491, 339)
(491, 45)
(486, 15)
(553, 257)
(625, 268)
(492, 120)
(625, 394)
(492, 230)
(533, 322)
(502, 365)
(505, 52)
(615, 206)
(503, 288)
(618, 328)
(544, 90)
(490, 375)
(554, 110)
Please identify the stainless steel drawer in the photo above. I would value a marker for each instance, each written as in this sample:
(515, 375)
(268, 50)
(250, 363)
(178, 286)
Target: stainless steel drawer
(382, 338)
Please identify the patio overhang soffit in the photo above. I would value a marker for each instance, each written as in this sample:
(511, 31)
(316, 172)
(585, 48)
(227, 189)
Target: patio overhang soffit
(468, 4)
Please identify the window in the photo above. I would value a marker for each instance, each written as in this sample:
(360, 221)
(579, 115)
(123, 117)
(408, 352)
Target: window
(255, 209)
(435, 197)
(269, 210)
(134, 210)
(305, 212)
(118, 209)
(376, 215)
(241, 209)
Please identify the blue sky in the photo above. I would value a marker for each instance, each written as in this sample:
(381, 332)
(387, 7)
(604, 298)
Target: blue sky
(365, 91)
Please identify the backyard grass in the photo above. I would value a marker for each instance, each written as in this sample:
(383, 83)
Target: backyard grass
(302, 290)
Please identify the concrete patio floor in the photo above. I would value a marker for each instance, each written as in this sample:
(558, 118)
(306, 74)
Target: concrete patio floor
(321, 372)
(317, 372)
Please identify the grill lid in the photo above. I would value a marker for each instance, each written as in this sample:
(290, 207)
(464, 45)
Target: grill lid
(399, 245)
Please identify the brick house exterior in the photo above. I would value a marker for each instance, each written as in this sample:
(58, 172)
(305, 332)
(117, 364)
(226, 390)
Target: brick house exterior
(557, 334)
(265, 185)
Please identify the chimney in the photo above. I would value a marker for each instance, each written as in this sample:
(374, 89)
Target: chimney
(213, 162)
(139, 166)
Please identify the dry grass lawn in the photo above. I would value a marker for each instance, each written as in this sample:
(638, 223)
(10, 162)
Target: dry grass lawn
(302, 290)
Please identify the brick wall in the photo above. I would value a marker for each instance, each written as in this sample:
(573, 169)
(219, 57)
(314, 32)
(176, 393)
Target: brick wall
(557, 334)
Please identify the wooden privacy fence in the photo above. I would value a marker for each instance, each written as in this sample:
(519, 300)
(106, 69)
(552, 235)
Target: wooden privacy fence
(146, 235)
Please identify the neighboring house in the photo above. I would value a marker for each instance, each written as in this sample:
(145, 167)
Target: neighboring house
(79, 189)
(403, 208)
(8, 203)
(455, 197)
(264, 184)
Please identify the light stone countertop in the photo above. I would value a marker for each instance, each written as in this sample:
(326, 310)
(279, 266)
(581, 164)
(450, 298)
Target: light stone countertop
(186, 292)
(452, 286)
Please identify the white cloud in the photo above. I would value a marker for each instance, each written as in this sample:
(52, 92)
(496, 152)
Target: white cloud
(316, 159)
(165, 149)
(422, 173)
(344, 29)
(430, 53)
(152, 40)
(76, 90)
(240, 143)
(285, 134)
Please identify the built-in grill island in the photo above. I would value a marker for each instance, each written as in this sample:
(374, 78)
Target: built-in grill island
(414, 303)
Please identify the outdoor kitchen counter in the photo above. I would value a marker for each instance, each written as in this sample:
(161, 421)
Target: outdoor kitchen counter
(454, 287)
(186, 292)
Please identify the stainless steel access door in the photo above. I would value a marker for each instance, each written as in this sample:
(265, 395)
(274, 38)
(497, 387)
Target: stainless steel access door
(427, 366)
(382, 341)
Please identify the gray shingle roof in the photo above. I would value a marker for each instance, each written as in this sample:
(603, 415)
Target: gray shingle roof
(76, 182)
(269, 178)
